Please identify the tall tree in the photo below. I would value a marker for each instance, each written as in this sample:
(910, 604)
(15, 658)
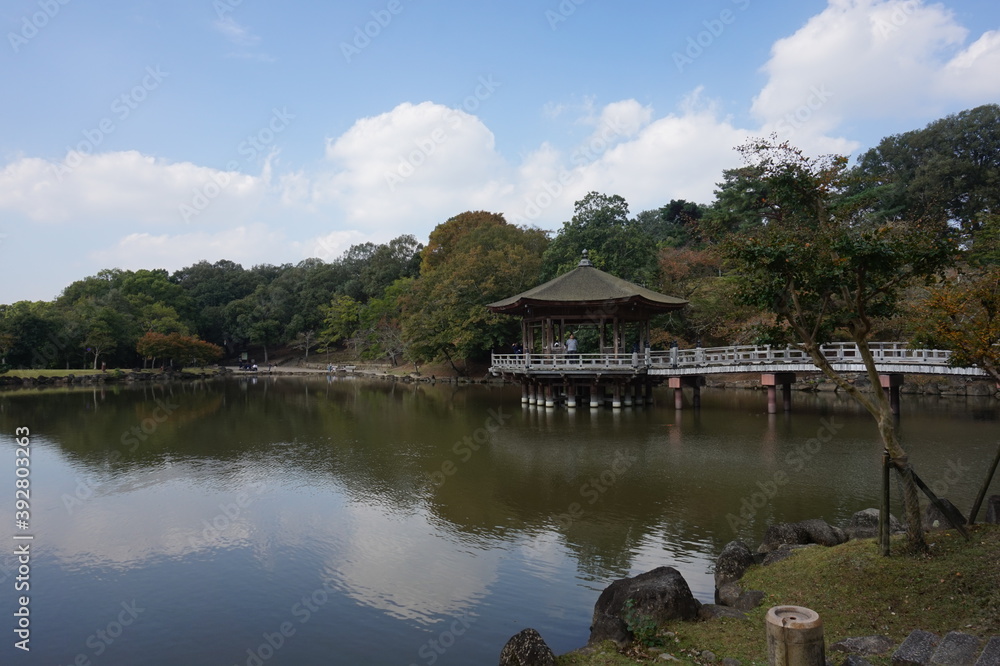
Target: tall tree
(616, 244)
(824, 262)
(951, 168)
(472, 259)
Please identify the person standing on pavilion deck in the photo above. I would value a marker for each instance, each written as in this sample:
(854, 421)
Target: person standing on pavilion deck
(571, 346)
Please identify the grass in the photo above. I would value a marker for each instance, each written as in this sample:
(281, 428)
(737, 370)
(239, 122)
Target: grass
(858, 593)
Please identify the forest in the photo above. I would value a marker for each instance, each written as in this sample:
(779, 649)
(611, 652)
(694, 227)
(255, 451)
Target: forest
(923, 205)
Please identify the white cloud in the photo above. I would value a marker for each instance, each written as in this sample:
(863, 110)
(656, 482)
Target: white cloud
(236, 33)
(247, 245)
(117, 187)
(863, 59)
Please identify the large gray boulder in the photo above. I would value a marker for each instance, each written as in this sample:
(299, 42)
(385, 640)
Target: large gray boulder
(782, 534)
(864, 525)
(660, 595)
(732, 563)
(822, 532)
(527, 648)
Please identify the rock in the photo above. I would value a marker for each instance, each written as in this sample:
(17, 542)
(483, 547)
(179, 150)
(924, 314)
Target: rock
(782, 553)
(749, 600)
(729, 661)
(659, 595)
(822, 532)
(827, 387)
(712, 611)
(855, 660)
(980, 389)
(864, 525)
(728, 594)
(781, 534)
(956, 649)
(991, 654)
(993, 510)
(527, 649)
(916, 650)
(865, 645)
(732, 563)
(935, 519)
(708, 655)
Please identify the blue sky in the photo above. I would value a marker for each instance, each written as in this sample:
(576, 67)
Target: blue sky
(154, 134)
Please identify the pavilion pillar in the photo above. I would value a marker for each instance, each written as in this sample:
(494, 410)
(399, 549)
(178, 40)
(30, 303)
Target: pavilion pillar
(595, 395)
(525, 392)
(571, 394)
(550, 399)
(627, 398)
(532, 393)
(616, 400)
(890, 384)
(649, 391)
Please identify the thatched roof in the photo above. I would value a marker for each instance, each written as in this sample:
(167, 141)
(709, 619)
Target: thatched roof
(586, 286)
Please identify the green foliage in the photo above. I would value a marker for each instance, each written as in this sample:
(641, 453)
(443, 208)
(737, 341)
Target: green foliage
(823, 263)
(642, 625)
(471, 260)
(949, 169)
(623, 247)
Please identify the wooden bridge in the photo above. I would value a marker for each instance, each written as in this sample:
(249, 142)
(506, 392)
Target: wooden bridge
(629, 374)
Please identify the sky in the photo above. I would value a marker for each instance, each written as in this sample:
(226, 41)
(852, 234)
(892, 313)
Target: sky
(148, 134)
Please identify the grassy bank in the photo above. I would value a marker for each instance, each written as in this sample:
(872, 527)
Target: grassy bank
(857, 593)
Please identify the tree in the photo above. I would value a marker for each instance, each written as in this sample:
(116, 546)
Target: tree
(963, 315)
(471, 260)
(949, 169)
(825, 263)
(173, 347)
(672, 225)
(341, 319)
(615, 243)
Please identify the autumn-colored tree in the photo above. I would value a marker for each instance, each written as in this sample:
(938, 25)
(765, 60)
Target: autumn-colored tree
(472, 259)
(963, 315)
(183, 349)
(823, 263)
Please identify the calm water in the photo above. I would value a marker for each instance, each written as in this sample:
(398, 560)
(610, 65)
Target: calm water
(290, 521)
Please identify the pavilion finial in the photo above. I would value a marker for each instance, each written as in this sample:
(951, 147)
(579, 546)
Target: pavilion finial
(585, 261)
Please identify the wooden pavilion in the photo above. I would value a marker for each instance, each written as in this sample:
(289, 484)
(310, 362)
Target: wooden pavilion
(613, 317)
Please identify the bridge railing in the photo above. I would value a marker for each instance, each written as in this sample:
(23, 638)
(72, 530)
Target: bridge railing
(836, 352)
(884, 353)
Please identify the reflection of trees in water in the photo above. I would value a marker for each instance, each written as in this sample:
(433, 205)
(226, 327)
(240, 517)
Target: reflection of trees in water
(381, 441)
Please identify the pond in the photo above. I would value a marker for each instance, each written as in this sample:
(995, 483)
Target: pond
(281, 520)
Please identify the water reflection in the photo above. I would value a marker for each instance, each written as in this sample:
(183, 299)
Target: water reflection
(410, 505)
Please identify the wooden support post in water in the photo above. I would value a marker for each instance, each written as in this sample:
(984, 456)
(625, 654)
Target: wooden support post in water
(595, 395)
